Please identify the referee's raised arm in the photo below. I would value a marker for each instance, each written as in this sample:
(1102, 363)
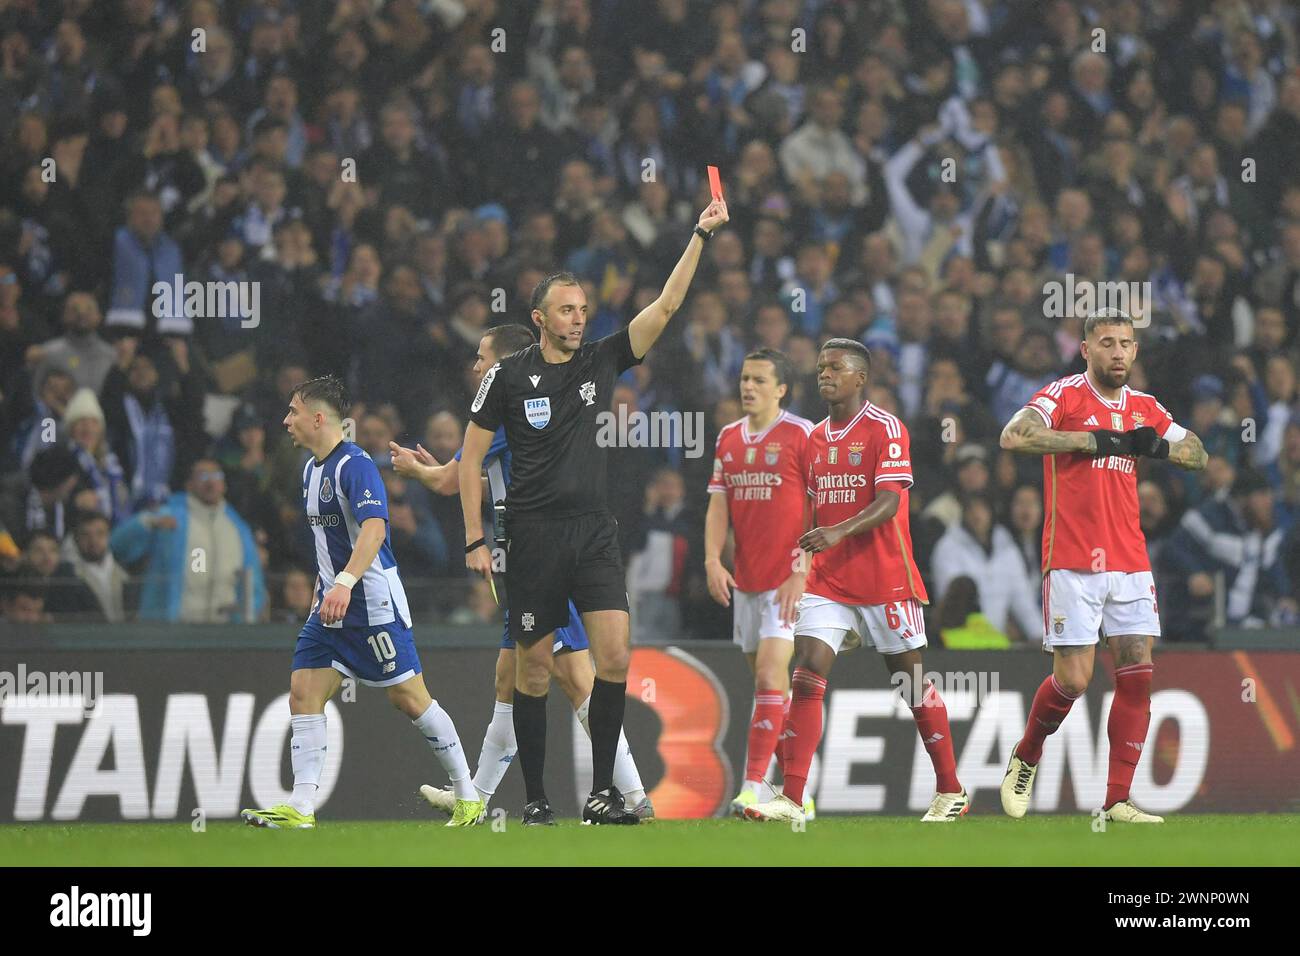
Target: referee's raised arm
(645, 329)
(477, 441)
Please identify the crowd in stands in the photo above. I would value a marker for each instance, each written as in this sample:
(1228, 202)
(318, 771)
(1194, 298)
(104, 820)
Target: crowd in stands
(382, 180)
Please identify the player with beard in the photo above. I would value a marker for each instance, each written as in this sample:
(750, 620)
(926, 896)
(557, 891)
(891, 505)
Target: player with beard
(1091, 428)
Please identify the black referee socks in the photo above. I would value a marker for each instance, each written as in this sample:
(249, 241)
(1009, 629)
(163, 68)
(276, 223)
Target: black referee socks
(605, 718)
(530, 737)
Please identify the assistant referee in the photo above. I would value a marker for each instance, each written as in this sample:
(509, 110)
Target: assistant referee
(562, 540)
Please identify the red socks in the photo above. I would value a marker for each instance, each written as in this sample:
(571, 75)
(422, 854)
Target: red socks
(1051, 704)
(932, 725)
(1130, 716)
(803, 730)
(769, 716)
(780, 740)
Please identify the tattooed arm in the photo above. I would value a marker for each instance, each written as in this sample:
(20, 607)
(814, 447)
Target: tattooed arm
(1027, 434)
(1188, 453)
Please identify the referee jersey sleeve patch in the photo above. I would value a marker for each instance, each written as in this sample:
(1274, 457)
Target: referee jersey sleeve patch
(484, 387)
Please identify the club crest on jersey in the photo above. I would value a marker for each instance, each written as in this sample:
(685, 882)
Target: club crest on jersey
(587, 392)
(750, 455)
(326, 491)
(772, 453)
(833, 455)
(527, 620)
(1116, 421)
(538, 411)
(1138, 419)
(1058, 625)
(855, 455)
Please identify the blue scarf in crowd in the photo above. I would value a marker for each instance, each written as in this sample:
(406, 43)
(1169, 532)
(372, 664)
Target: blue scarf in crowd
(108, 481)
(153, 449)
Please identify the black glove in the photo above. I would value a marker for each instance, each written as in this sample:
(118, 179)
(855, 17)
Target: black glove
(1146, 442)
(1113, 443)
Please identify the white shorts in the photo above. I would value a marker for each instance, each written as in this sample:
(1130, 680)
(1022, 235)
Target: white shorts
(893, 628)
(756, 615)
(1076, 604)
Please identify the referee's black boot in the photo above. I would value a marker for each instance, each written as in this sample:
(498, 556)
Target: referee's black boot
(539, 814)
(608, 807)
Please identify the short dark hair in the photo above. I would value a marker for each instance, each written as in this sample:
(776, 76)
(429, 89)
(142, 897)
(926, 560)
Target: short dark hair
(25, 581)
(850, 345)
(328, 389)
(539, 291)
(509, 338)
(1106, 317)
(782, 366)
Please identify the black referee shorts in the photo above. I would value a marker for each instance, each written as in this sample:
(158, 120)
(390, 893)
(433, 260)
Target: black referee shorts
(552, 560)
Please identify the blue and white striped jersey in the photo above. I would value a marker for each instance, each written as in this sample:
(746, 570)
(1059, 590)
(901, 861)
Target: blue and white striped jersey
(339, 493)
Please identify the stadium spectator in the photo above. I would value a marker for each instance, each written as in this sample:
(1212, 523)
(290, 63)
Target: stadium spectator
(100, 470)
(654, 572)
(87, 551)
(67, 598)
(79, 351)
(41, 426)
(294, 598)
(152, 424)
(984, 552)
(41, 498)
(23, 598)
(1245, 541)
(199, 558)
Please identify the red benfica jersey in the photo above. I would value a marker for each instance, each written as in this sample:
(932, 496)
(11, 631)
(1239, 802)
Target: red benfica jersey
(847, 462)
(762, 477)
(1090, 505)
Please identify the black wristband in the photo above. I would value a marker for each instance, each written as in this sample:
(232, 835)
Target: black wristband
(703, 233)
(474, 546)
(1112, 443)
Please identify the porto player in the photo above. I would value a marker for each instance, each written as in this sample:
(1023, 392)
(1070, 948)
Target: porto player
(360, 623)
(758, 488)
(864, 584)
(1091, 428)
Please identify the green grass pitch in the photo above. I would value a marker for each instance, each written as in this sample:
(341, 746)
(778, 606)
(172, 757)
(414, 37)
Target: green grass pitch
(1219, 840)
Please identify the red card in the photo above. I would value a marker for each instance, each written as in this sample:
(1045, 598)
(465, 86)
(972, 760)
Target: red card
(715, 182)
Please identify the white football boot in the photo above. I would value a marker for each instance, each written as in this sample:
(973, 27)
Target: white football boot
(947, 807)
(1017, 786)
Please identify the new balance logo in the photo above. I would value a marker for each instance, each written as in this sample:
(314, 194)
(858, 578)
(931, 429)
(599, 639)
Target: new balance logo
(1092, 420)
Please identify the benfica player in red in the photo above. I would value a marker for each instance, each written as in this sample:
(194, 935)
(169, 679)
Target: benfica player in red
(1091, 428)
(864, 584)
(758, 488)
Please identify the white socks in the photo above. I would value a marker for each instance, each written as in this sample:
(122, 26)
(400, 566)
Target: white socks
(626, 778)
(498, 751)
(437, 727)
(307, 754)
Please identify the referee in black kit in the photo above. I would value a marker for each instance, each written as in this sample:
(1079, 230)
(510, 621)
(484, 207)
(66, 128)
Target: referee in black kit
(561, 539)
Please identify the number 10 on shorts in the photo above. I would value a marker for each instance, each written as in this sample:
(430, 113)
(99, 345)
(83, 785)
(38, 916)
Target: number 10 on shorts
(382, 645)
